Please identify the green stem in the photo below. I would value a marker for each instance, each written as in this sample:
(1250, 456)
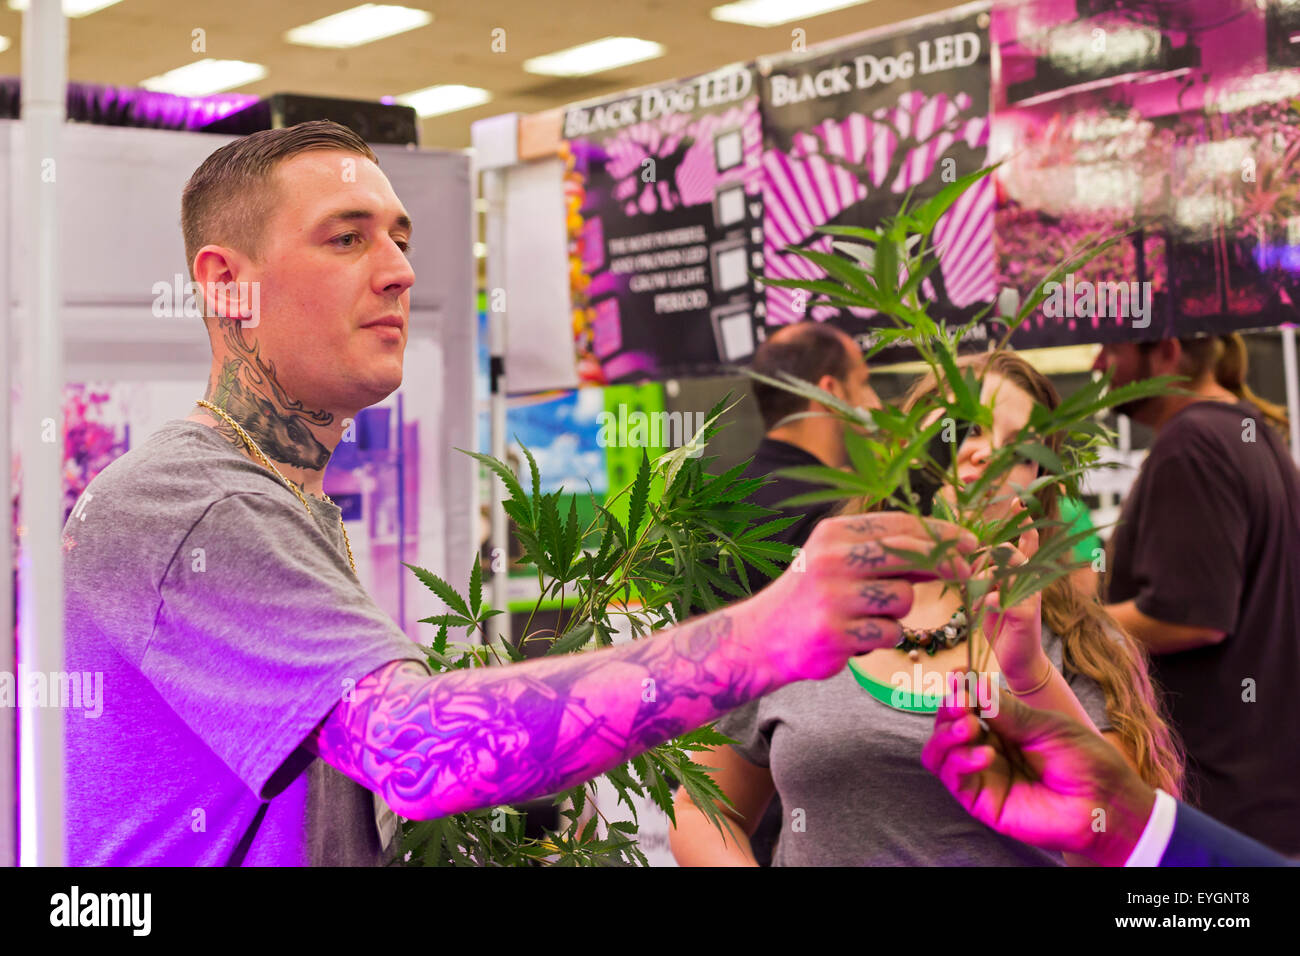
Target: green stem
(621, 573)
(541, 596)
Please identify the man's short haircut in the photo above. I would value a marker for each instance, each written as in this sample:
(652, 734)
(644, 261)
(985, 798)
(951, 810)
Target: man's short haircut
(227, 199)
(807, 351)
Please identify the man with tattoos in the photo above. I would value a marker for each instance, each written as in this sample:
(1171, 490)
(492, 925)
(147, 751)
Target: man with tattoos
(210, 581)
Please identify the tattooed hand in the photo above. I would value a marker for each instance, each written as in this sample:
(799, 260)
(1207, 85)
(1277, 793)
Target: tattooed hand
(848, 596)
(486, 736)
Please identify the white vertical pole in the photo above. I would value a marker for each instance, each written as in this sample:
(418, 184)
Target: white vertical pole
(1124, 433)
(1124, 444)
(1292, 388)
(8, 728)
(40, 598)
(494, 189)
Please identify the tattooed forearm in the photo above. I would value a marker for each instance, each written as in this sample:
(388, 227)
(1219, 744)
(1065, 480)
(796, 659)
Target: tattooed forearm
(247, 388)
(486, 736)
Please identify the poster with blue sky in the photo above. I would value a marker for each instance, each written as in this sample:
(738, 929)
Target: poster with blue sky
(561, 433)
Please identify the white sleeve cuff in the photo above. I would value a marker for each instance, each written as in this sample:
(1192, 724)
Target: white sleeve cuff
(1154, 841)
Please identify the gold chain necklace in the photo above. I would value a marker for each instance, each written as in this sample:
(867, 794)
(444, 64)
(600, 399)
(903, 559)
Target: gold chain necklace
(252, 446)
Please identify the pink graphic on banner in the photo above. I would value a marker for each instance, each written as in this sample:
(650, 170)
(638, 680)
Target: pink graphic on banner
(838, 164)
(680, 152)
(593, 245)
(607, 328)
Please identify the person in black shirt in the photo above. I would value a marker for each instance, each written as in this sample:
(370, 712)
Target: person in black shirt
(829, 359)
(1205, 571)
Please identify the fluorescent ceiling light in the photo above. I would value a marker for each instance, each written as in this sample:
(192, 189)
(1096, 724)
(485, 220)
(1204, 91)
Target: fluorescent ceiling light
(71, 8)
(1261, 88)
(364, 24)
(4, 44)
(770, 13)
(204, 77)
(1203, 213)
(447, 98)
(594, 57)
(1222, 156)
(1075, 48)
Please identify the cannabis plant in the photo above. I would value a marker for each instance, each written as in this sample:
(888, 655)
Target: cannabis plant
(901, 460)
(687, 542)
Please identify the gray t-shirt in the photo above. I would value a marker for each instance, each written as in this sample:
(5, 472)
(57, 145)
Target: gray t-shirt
(226, 624)
(847, 768)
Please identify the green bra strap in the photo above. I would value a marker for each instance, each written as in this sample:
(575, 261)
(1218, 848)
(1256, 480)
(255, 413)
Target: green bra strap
(892, 696)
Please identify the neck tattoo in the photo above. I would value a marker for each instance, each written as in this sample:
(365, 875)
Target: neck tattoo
(261, 456)
(248, 387)
(255, 410)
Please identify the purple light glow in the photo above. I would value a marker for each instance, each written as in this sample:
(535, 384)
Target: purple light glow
(132, 106)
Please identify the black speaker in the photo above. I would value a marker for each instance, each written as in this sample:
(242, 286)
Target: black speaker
(378, 123)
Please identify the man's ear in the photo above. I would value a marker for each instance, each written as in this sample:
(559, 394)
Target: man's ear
(829, 383)
(1166, 357)
(216, 269)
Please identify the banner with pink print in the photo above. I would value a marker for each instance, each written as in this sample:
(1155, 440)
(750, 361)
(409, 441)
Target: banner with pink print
(669, 194)
(1176, 125)
(851, 130)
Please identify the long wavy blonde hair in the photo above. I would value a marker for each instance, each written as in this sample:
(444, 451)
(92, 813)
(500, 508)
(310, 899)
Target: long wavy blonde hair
(1094, 644)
